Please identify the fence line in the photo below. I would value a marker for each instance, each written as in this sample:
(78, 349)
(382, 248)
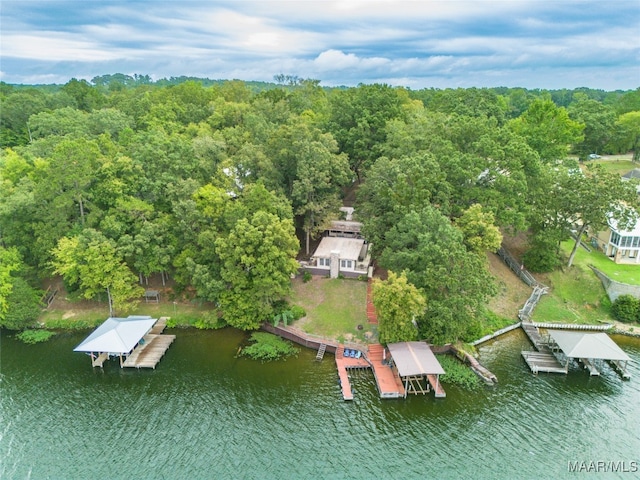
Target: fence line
(517, 267)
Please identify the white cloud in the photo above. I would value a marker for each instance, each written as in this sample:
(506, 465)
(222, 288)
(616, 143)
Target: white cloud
(422, 43)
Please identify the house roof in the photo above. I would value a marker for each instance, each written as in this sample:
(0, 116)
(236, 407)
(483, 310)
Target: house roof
(587, 345)
(635, 230)
(635, 173)
(117, 335)
(346, 226)
(414, 358)
(349, 248)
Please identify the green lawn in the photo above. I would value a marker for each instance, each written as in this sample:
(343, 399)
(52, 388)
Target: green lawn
(335, 307)
(576, 296)
(84, 314)
(617, 164)
(620, 273)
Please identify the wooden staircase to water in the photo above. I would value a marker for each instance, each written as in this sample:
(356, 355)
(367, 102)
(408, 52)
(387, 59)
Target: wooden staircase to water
(321, 350)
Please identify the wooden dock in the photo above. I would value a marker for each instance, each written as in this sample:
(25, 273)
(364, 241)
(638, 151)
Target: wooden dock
(436, 386)
(343, 364)
(159, 326)
(389, 383)
(533, 333)
(150, 352)
(543, 362)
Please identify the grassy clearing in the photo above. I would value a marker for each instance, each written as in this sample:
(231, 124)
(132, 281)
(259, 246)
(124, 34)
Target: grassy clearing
(84, 314)
(335, 307)
(577, 296)
(619, 164)
(620, 273)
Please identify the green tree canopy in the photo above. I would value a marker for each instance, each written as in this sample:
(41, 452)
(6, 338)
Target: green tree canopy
(456, 282)
(398, 304)
(480, 233)
(9, 262)
(257, 261)
(548, 129)
(91, 262)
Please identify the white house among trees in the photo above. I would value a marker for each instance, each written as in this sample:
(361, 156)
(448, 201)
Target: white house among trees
(342, 251)
(622, 246)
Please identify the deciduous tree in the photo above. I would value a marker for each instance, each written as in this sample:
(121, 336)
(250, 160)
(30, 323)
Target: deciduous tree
(258, 259)
(456, 282)
(398, 304)
(91, 262)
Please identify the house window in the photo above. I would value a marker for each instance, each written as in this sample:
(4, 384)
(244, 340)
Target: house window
(615, 238)
(346, 264)
(324, 262)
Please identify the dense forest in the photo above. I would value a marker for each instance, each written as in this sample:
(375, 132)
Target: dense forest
(220, 185)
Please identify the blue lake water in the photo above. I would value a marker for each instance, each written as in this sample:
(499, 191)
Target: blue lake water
(203, 413)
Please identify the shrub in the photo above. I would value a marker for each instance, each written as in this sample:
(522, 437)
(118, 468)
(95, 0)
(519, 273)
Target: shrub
(457, 373)
(626, 308)
(209, 321)
(23, 306)
(267, 347)
(542, 256)
(306, 276)
(298, 312)
(32, 337)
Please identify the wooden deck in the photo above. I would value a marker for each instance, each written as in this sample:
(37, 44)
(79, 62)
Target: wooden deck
(533, 333)
(389, 384)
(149, 354)
(159, 326)
(343, 364)
(543, 362)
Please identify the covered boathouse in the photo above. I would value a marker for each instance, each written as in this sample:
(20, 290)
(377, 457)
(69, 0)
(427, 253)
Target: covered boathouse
(590, 349)
(417, 367)
(136, 340)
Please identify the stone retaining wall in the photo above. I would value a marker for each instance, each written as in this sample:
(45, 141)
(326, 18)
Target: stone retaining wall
(613, 288)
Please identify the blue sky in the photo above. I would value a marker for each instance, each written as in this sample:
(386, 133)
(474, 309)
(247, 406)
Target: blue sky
(418, 44)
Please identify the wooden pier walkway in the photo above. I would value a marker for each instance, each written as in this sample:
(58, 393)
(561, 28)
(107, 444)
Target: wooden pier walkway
(343, 364)
(152, 347)
(150, 352)
(389, 383)
(542, 360)
(159, 326)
